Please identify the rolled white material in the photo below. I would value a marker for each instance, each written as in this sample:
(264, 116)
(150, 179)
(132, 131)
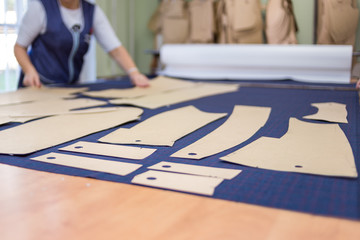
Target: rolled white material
(308, 63)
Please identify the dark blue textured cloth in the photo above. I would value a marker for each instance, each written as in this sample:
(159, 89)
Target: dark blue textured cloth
(329, 196)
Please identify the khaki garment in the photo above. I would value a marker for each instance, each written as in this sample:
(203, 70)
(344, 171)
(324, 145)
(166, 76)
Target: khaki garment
(175, 22)
(281, 25)
(239, 21)
(337, 21)
(202, 23)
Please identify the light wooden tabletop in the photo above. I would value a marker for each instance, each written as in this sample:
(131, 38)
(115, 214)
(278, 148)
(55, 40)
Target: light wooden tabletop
(40, 205)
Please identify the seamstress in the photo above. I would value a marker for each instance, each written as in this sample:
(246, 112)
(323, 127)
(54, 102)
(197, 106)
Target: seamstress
(59, 33)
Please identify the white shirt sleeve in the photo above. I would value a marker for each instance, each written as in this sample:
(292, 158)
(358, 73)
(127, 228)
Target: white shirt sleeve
(103, 31)
(32, 24)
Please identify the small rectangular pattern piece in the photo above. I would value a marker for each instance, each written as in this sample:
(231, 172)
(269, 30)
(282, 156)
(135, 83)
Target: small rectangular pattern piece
(100, 165)
(110, 150)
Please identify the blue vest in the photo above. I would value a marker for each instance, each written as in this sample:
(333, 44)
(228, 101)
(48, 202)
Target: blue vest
(58, 53)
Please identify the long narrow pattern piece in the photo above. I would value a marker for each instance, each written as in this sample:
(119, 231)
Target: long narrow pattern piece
(7, 119)
(243, 123)
(110, 150)
(312, 148)
(196, 170)
(48, 107)
(34, 94)
(158, 85)
(199, 90)
(47, 132)
(329, 111)
(180, 182)
(163, 129)
(100, 165)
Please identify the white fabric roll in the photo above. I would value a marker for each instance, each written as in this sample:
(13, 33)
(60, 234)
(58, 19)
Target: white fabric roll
(308, 63)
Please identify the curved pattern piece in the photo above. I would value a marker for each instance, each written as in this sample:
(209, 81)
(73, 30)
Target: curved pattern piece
(163, 129)
(158, 85)
(199, 90)
(243, 123)
(312, 148)
(51, 131)
(330, 111)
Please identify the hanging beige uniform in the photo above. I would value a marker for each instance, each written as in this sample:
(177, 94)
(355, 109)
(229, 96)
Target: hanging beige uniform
(239, 21)
(174, 21)
(337, 21)
(201, 21)
(281, 25)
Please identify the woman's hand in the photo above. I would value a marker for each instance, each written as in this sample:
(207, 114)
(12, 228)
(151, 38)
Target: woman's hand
(139, 79)
(32, 79)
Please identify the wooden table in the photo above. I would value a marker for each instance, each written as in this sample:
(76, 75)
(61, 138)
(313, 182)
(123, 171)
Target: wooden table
(40, 205)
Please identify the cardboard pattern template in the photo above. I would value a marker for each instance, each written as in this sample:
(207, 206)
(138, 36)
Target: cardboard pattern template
(49, 107)
(163, 127)
(199, 90)
(196, 170)
(47, 132)
(100, 165)
(181, 182)
(329, 111)
(110, 150)
(34, 94)
(244, 122)
(158, 85)
(312, 148)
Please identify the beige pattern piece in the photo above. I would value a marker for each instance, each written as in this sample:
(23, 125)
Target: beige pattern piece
(196, 170)
(48, 107)
(100, 165)
(158, 85)
(329, 111)
(163, 129)
(7, 119)
(23, 119)
(37, 94)
(47, 132)
(109, 150)
(199, 90)
(244, 122)
(180, 182)
(311, 148)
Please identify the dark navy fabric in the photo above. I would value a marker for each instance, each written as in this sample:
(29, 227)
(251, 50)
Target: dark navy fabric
(328, 196)
(51, 52)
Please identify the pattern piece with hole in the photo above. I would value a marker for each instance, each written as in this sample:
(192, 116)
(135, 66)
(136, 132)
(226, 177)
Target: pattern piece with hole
(243, 123)
(180, 182)
(329, 111)
(163, 129)
(51, 131)
(100, 165)
(110, 150)
(311, 148)
(196, 170)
